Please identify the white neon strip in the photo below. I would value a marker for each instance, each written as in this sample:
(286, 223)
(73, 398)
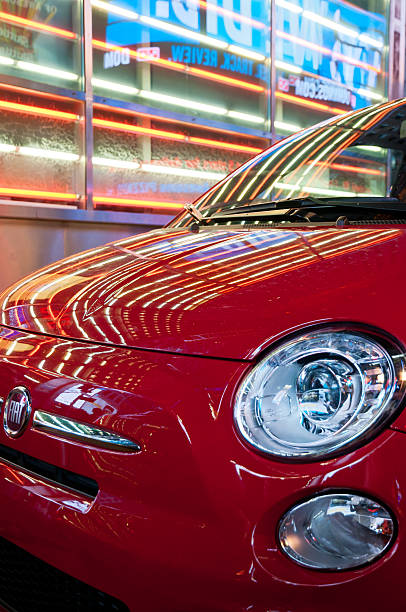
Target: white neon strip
(245, 117)
(6, 61)
(48, 153)
(288, 67)
(259, 57)
(179, 30)
(40, 69)
(182, 102)
(116, 163)
(132, 91)
(371, 41)
(174, 29)
(329, 23)
(157, 169)
(6, 148)
(186, 104)
(117, 10)
(287, 127)
(372, 95)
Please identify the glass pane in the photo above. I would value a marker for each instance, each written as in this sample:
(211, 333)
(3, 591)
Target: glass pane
(39, 148)
(194, 80)
(40, 41)
(331, 59)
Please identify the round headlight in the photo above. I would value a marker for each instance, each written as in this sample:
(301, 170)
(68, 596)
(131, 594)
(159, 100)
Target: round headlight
(317, 395)
(337, 531)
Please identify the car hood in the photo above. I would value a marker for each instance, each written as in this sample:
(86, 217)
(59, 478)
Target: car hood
(220, 292)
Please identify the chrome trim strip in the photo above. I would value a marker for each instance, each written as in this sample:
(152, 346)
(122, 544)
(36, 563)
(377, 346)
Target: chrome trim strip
(87, 434)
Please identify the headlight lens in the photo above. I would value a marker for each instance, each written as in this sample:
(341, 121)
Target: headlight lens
(316, 395)
(337, 531)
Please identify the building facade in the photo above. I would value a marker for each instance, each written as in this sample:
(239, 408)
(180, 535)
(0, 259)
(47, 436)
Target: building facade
(116, 113)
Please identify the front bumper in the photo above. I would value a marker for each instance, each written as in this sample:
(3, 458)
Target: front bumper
(189, 523)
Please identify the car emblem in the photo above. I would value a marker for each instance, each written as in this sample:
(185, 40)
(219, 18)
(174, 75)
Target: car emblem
(17, 410)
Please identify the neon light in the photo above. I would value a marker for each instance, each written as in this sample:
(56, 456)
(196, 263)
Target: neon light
(372, 95)
(224, 145)
(288, 127)
(181, 102)
(6, 61)
(116, 163)
(37, 110)
(154, 133)
(289, 67)
(6, 148)
(136, 129)
(174, 29)
(35, 25)
(205, 74)
(355, 169)
(30, 193)
(48, 154)
(170, 170)
(330, 52)
(246, 117)
(310, 104)
(179, 30)
(38, 68)
(136, 203)
(159, 97)
(329, 23)
(111, 85)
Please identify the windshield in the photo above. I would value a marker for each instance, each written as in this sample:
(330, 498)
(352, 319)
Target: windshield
(359, 154)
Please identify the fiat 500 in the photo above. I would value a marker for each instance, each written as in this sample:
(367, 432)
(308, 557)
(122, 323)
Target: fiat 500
(209, 416)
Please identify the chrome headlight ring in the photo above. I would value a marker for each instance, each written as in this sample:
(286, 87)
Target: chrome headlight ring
(320, 394)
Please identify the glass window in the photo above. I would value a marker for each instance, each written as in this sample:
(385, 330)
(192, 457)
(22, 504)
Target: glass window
(330, 59)
(193, 79)
(40, 41)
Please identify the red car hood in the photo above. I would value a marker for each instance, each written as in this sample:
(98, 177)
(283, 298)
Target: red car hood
(222, 293)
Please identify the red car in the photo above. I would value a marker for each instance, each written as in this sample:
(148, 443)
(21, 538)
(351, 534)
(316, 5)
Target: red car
(208, 417)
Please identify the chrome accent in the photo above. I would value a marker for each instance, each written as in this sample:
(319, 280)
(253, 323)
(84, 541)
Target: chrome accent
(88, 434)
(16, 433)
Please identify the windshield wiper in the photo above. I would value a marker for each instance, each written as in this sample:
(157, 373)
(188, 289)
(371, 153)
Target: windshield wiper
(365, 203)
(194, 212)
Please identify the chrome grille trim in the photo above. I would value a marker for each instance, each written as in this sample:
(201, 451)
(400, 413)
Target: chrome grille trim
(70, 429)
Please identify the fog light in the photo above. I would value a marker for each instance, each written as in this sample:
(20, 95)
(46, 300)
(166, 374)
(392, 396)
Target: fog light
(338, 531)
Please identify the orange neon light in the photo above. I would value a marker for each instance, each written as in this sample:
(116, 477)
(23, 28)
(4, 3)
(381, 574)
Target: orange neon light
(37, 110)
(355, 169)
(136, 203)
(223, 145)
(205, 74)
(154, 133)
(35, 25)
(33, 193)
(34, 92)
(303, 102)
(137, 129)
(126, 111)
(326, 51)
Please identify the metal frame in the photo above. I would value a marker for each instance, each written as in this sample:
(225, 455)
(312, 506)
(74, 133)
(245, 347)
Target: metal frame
(87, 37)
